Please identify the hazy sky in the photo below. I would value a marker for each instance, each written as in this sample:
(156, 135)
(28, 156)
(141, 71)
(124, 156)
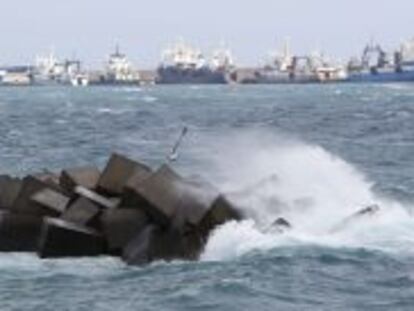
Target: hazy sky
(90, 28)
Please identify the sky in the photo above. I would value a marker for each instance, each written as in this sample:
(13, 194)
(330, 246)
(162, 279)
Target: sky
(89, 29)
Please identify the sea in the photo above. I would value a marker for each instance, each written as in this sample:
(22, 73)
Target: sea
(312, 154)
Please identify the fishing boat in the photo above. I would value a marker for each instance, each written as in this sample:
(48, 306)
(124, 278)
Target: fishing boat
(376, 65)
(183, 64)
(286, 68)
(49, 70)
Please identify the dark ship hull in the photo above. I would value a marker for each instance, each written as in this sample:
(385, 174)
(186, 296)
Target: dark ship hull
(108, 80)
(277, 77)
(382, 77)
(173, 75)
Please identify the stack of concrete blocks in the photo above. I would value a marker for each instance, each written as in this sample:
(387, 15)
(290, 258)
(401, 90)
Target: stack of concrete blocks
(128, 210)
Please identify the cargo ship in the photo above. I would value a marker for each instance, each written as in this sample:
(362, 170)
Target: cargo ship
(376, 65)
(286, 68)
(183, 64)
(118, 71)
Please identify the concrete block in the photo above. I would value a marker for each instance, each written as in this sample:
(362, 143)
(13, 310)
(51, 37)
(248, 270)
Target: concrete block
(153, 243)
(158, 195)
(197, 196)
(220, 212)
(117, 173)
(96, 198)
(129, 197)
(138, 250)
(19, 233)
(59, 238)
(9, 189)
(280, 225)
(86, 177)
(51, 200)
(193, 245)
(120, 226)
(83, 212)
(24, 204)
(361, 215)
(50, 178)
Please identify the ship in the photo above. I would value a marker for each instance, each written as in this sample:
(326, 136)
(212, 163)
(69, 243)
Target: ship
(286, 68)
(183, 64)
(376, 65)
(16, 76)
(118, 71)
(49, 70)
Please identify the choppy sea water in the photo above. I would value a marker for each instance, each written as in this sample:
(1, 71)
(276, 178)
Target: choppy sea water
(312, 154)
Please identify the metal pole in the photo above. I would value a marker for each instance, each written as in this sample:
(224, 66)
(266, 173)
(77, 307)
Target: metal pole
(173, 156)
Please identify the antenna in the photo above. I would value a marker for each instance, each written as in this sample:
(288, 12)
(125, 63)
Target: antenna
(173, 156)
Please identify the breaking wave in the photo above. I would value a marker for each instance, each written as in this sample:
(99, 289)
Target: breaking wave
(317, 192)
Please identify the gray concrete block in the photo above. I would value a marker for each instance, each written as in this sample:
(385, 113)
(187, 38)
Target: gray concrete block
(97, 198)
(280, 225)
(220, 212)
(50, 178)
(24, 204)
(158, 195)
(117, 173)
(59, 238)
(51, 200)
(9, 189)
(138, 250)
(119, 226)
(153, 243)
(19, 233)
(86, 177)
(129, 197)
(82, 212)
(361, 215)
(197, 196)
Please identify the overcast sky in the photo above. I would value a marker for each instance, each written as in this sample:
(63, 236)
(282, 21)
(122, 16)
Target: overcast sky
(89, 29)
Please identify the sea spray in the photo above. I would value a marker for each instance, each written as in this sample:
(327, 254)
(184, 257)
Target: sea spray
(271, 176)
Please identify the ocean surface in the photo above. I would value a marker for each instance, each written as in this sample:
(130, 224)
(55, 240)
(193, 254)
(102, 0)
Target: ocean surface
(312, 154)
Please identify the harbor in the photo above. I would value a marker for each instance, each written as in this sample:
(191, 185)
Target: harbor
(183, 63)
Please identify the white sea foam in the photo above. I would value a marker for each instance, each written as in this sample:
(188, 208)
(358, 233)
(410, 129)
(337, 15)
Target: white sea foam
(397, 86)
(105, 110)
(74, 266)
(128, 90)
(114, 110)
(149, 99)
(313, 189)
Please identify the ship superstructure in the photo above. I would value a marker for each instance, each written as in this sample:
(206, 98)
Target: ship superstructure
(407, 53)
(222, 59)
(120, 69)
